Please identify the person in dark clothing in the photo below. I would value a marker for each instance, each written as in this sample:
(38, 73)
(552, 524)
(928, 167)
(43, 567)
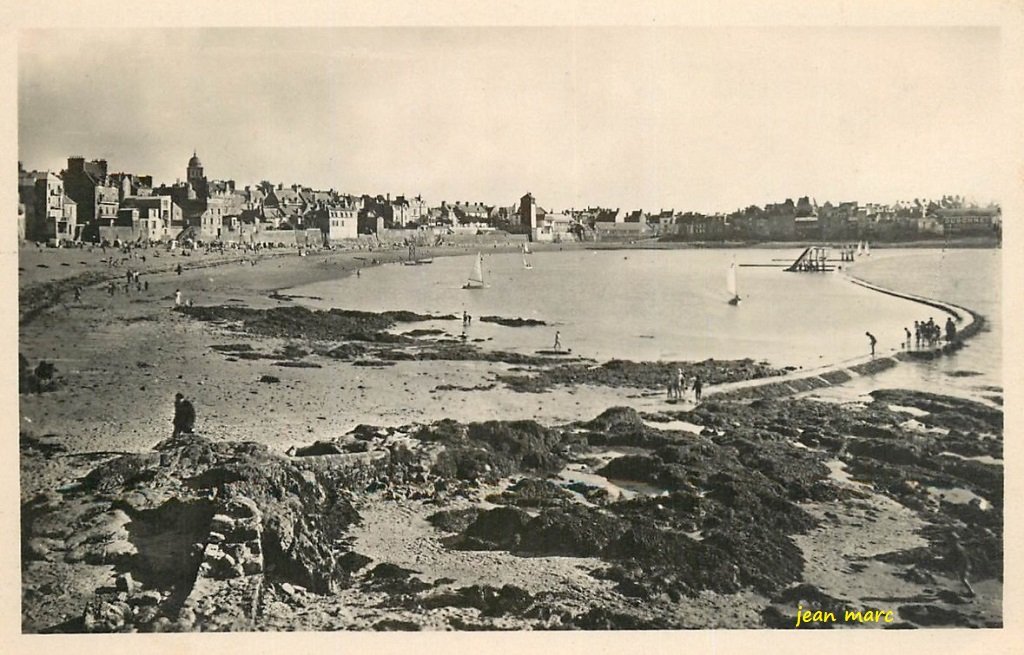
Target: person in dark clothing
(959, 561)
(698, 386)
(872, 340)
(184, 415)
(950, 330)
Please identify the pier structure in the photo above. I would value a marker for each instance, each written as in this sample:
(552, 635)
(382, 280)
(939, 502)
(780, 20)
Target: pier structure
(812, 259)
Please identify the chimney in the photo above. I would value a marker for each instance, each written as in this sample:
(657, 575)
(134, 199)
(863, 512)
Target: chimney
(76, 164)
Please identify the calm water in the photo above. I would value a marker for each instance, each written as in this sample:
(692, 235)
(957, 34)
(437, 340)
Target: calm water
(970, 278)
(672, 304)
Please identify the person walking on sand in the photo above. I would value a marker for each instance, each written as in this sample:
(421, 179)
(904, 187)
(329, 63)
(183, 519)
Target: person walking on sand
(872, 340)
(907, 337)
(184, 415)
(698, 388)
(177, 297)
(950, 330)
(558, 340)
(178, 269)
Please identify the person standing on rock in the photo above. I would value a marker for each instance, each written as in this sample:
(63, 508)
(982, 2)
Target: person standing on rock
(184, 415)
(698, 388)
(872, 340)
(959, 561)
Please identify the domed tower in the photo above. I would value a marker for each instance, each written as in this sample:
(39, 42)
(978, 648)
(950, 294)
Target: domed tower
(194, 176)
(195, 168)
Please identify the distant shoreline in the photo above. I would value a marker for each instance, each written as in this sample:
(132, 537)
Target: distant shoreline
(971, 243)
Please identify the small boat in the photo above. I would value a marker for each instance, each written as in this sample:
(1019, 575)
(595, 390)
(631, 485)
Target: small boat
(476, 276)
(730, 283)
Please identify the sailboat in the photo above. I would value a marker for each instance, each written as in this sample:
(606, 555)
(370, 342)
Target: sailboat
(476, 276)
(730, 283)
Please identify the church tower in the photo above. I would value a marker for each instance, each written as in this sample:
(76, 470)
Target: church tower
(194, 176)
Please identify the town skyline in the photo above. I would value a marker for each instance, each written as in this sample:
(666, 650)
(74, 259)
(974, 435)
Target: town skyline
(691, 119)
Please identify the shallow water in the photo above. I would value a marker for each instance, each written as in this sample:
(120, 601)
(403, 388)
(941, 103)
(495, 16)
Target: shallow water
(969, 278)
(642, 305)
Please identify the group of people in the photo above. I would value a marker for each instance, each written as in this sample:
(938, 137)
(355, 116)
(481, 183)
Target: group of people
(927, 334)
(678, 385)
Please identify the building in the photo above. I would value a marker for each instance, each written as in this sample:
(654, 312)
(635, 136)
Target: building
(964, 221)
(528, 212)
(155, 218)
(403, 211)
(53, 215)
(607, 231)
(89, 186)
(338, 220)
(285, 205)
(471, 212)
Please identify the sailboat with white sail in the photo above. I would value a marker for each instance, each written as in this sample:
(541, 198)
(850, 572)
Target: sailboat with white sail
(730, 283)
(476, 276)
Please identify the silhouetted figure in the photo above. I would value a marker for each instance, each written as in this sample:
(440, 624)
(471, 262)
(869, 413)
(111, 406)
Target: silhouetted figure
(950, 330)
(959, 561)
(558, 340)
(698, 388)
(184, 415)
(872, 340)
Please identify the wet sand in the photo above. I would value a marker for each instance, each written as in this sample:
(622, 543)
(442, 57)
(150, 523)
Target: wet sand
(122, 358)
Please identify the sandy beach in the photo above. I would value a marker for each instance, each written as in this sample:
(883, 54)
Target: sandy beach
(864, 538)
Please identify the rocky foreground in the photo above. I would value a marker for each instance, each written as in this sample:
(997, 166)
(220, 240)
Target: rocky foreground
(626, 521)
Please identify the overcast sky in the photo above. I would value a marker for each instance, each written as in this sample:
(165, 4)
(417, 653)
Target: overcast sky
(686, 118)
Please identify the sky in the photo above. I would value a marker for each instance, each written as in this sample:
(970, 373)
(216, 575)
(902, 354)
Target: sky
(704, 119)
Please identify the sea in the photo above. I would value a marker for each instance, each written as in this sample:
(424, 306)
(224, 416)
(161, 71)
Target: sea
(646, 305)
